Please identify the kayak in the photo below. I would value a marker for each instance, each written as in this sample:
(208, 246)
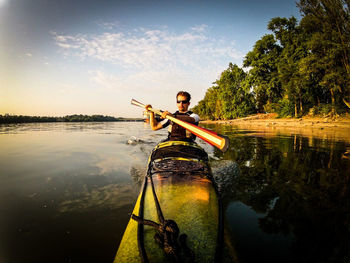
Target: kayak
(177, 216)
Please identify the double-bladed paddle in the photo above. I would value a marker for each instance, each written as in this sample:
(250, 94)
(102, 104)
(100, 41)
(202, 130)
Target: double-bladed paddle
(219, 141)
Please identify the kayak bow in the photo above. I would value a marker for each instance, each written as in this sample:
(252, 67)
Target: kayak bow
(177, 216)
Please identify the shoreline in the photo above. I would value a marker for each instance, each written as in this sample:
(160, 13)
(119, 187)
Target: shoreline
(321, 127)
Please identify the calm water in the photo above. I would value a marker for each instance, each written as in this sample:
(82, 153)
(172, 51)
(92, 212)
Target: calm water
(67, 191)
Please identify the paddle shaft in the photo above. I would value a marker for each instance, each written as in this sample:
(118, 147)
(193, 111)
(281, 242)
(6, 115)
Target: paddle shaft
(219, 141)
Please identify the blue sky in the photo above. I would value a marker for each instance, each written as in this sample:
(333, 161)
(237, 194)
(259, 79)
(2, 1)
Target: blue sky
(91, 57)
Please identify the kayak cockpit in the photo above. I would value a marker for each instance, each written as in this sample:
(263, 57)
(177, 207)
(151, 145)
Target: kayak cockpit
(178, 187)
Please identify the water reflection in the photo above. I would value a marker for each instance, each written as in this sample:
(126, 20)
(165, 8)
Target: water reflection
(106, 197)
(293, 191)
(69, 188)
(66, 191)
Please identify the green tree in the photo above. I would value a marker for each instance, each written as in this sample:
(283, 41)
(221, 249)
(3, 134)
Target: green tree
(263, 73)
(297, 67)
(229, 98)
(237, 101)
(330, 45)
(292, 76)
(211, 106)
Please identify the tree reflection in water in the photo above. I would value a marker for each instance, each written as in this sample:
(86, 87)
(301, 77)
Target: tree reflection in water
(298, 187)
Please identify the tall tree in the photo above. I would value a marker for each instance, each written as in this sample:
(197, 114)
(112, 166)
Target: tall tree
(331, 43)
(237, 101)
(293, 78)
(229, 98)
(210, 107)
(263, 74)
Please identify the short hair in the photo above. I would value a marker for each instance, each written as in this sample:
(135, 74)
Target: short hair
(185, 94)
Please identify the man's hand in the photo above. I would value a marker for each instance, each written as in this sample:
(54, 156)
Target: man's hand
(148, 106)
(165, 113)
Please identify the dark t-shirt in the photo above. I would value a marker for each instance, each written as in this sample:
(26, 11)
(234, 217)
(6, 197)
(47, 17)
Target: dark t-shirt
(176, 132)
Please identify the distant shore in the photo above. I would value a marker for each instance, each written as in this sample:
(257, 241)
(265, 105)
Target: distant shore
(16, 119)
(337, 128)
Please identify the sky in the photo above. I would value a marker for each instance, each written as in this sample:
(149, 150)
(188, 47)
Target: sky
(63, 57)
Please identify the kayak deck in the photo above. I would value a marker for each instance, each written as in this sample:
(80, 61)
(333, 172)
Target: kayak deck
(186, 194)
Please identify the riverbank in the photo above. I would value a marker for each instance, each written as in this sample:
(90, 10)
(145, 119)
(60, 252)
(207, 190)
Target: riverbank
(324, 127)
(16, 119)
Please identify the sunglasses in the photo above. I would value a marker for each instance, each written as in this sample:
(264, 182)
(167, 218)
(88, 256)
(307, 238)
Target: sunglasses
(183, 101)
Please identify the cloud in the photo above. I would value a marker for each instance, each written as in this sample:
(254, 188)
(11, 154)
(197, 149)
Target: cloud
(108, 81)
(140, 60)
(108, 25)
(3, 2)
(200, 28)
(150, 48)
(149, 79)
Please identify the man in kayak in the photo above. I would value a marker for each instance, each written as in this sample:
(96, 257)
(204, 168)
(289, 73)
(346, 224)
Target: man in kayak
(175, 131)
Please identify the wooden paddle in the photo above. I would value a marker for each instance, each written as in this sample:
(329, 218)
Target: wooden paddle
(219, 141)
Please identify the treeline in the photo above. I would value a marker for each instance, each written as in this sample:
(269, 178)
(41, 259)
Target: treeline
(69, 118)
(300, 68)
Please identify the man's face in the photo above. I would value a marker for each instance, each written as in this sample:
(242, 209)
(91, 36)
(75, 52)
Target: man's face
(182, 103)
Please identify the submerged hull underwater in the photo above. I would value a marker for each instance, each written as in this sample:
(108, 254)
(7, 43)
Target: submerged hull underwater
(179, 180)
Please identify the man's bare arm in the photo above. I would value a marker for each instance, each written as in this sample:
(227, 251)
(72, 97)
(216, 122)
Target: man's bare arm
(155, 125)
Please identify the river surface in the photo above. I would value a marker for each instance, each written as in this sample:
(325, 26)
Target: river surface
(67, 191)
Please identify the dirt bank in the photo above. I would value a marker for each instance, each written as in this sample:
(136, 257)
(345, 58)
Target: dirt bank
(328, 128)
